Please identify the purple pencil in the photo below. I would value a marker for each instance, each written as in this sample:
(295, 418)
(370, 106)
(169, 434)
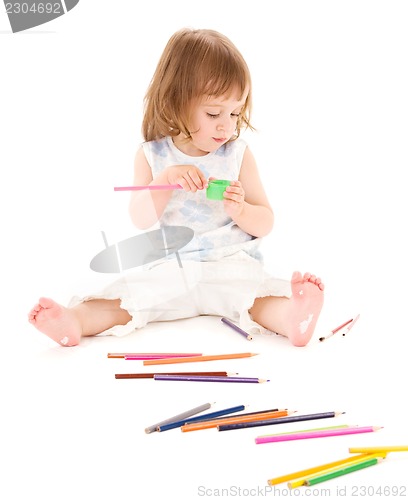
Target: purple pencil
(236, 328)
(204, 378)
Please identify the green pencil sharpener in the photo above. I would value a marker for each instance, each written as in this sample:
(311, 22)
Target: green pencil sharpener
(216, 188)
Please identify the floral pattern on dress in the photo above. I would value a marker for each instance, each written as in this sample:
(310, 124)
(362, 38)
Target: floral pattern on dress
(195, 212)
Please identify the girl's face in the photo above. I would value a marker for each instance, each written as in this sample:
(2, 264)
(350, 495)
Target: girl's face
(213, 123)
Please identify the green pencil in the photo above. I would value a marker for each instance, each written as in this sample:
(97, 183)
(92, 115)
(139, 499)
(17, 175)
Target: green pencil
(342, 472)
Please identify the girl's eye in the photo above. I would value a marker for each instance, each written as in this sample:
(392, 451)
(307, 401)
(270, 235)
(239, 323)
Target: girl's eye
(212, 116)
(235, 115)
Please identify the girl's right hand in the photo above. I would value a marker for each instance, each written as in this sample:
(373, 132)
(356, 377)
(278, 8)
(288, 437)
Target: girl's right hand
(189, 177)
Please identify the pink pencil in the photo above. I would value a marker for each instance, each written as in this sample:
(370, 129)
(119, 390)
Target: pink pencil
(149, 355)
(136, 357)
(314, 434)
(350, 326)
(153, 187)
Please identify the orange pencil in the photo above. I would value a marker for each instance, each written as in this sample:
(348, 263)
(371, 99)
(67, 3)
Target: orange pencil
(208, 424)
(192, 359)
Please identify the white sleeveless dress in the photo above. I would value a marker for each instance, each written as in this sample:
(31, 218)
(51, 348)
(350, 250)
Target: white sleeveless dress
(219, 272)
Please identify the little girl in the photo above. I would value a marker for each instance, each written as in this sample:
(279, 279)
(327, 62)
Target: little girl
(197, 103)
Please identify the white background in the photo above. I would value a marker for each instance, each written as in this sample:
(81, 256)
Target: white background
(330, 109)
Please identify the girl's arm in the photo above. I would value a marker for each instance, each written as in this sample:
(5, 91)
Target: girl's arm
(246, 201)
(147, 206)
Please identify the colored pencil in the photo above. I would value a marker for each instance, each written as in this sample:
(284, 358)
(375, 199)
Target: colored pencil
(151, 187)
(312, 470)
(335, 330)
(351, 325)
(378, 449)
(210, 424)
(142, 357)
(214, 414)
(246, 414)
(301, 479)
(185, 414)
(236, 328)
(342, 472)
(344, 426)
(204, 378)
(151, 375)
(284, 420)
(152, 354)
(314, 434)
(198, 358)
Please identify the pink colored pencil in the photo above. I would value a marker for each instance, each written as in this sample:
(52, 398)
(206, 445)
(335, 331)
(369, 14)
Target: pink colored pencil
(350, 326)
(150, 355)
(314, 434)
(152, 187)
(138, 357)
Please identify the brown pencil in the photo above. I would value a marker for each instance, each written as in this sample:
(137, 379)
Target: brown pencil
(151, 375)
(192, 359)
(208, 424)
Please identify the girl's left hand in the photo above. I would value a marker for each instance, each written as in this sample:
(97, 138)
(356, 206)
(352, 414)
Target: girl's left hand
(234, 198)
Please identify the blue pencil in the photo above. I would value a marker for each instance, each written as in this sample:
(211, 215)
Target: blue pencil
(207, 416)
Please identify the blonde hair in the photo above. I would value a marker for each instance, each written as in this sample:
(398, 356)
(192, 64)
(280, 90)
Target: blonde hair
(194, 63)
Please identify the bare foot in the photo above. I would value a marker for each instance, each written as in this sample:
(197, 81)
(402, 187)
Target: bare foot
(305, 305)
(59, 323)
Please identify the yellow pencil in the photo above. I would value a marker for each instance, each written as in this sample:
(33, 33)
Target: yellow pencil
(378, 449)
(192, 359)
(312, 470)
(355, 460)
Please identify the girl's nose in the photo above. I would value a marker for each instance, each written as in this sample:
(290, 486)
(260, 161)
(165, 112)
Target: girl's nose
(222, 126)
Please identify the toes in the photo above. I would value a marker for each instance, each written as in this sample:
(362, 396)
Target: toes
(46, 303)
(297, 277)
(311, 278)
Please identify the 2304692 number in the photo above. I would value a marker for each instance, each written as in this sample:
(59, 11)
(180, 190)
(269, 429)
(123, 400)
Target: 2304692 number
(35, 8)
(379, 491)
